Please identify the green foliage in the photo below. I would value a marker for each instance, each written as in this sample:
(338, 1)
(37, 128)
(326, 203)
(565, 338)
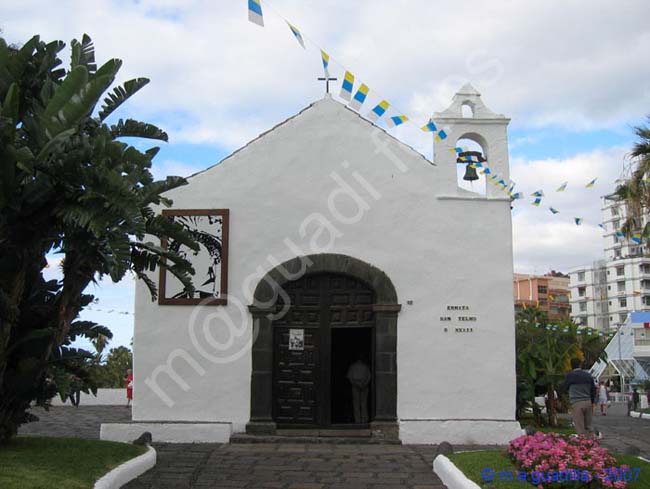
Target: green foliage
(111, 374)
(634, 193)
(70, 186)
(543, 359)
(645, 386)
(32, 462)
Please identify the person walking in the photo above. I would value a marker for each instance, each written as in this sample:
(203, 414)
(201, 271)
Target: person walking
(75, 390)
(635, 399)
(128, 381)
(603, 398)
(582, 395)
(359, 376)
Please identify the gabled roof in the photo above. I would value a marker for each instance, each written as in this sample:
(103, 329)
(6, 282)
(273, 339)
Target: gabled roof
(327, 99)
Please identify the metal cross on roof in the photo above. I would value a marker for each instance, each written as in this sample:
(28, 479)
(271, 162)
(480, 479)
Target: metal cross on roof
(327, 80)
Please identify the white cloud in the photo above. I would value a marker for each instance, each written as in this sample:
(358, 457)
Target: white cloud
(161, 169)
(218, 78)
(543, 240)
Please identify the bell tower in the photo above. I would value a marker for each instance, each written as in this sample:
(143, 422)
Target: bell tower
(468, 118)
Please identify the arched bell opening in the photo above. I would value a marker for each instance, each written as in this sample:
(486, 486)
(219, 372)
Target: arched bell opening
(471, 163)
(467, 110)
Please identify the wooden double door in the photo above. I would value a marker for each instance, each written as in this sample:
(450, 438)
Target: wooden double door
(328, 324)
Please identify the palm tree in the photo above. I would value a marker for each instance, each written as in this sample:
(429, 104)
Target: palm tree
(635, 192)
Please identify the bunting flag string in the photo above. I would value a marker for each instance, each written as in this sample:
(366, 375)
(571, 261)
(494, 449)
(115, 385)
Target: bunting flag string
(108, 311)
(255, 12)
(397, 118)
(578, 331)
(578, 220)
(347, 87)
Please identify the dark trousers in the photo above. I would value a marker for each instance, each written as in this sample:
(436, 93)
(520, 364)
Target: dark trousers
(75, 397)
(360, 404)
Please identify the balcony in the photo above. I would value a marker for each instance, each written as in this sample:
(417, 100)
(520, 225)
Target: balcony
(642, 346)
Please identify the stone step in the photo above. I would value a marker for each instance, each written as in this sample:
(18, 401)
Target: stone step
(346, 437)
(337, 433)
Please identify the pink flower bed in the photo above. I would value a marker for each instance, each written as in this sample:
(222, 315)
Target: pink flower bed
(579, 457)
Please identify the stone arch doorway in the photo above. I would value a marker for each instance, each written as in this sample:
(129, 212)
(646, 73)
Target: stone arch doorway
(312, 285)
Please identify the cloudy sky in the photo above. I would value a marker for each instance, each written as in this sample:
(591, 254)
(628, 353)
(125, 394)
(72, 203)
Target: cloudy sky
(572, 75)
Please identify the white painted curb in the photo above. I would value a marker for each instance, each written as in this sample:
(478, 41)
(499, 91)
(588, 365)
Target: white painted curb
(167, 432)
(636, 414)
(128, 471)
(450, 475)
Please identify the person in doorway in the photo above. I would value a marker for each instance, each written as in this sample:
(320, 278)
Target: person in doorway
(603, 398)
(582, 395)
(359, 377)
(128, 381)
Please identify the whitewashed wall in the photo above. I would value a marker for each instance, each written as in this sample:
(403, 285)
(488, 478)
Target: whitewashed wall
(439, 245)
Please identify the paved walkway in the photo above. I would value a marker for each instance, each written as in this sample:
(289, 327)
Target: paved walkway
(621, 431)
(69, 421)
(289, 466)
(294, 466)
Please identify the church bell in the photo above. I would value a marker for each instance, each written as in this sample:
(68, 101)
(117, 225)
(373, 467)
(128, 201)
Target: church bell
(470, 173)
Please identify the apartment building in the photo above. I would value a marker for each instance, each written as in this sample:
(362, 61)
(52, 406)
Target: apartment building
(550, 293)
(603, 293)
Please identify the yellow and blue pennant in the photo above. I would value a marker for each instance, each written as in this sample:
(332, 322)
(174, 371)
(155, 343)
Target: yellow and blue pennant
(359, 97)
(429, 127)
(396, 120)
(296, 33)
(255, 12)
(378, 111)
(347, 86)
(326, 62)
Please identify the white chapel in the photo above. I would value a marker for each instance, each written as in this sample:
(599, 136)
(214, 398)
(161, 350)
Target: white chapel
(326, 241)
